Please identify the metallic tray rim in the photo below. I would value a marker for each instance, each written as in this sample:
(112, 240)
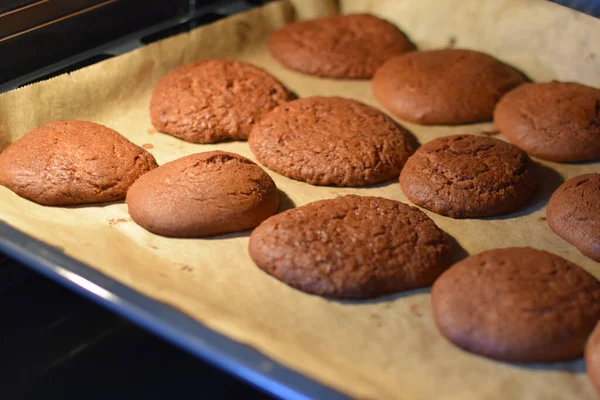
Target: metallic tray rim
(161, 319)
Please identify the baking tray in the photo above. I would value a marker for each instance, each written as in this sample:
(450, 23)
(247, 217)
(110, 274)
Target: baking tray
(162, 320)
(388, 347)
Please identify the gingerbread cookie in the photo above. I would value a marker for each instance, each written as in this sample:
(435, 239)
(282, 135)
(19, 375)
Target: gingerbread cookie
(341, 47)
(351, 247)
(573, 213)
(556, 121)
(203, 194)
(444, 87)
(212, 101)
(72, 162)
(330, 141)
(467, 176)
(592, 357)
(517, 304)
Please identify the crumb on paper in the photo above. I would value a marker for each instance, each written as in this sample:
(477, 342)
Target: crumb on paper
(152, 131)
(416, 310)
(490, 133)
(542, 219)
(148, 146)
(115, 221)
(186, 268)
(153, 246)
(451, 42)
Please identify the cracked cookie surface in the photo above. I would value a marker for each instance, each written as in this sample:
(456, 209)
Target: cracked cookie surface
(517, 304)
(467, 176)
(331, 141)
(72, 162)
(343, 46)
(351, 247)
(444, 87)
(556, 121)
(203, 194)
(573, 213)
(211, 101)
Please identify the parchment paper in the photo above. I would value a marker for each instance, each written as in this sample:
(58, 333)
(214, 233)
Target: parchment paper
(385, 348)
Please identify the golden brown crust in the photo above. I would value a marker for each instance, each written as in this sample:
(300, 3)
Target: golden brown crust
(331, 141)
(212, 101)
(73, 162)
(517, 304)
(341, 47)
(573, 213)
(556, 121)
(444, 87)
(467, 176)
(592, 357)
(203, 194)
(351, 247)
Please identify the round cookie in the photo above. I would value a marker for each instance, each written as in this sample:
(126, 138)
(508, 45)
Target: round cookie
(212, 101)
(330, 141)
(592, 357)
(203, 194)
(351, 247)
(556, 121)
(444, 87)
(466, 176)
(342, 47)
(72, 162)
(517, 304)
(573, 213)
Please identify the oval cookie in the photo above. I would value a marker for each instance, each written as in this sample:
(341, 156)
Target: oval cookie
(573, 213)
(351, 247)
(592, 357)
(467, 176)
(212, 101)
(517, 304)
(203, 194)
(72, 162)
(342, 46)
(556, 121)
(444, 87)
(331, 141)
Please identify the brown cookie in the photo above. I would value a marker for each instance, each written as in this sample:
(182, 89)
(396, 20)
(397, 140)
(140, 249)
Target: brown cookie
(351, 247)
(573, 213)
(517, 304)
(443, 87)
(592, 357)
(466, 176)
(72, 162)
(203, 194)
(330, 141)
(341, 47)
(556, 121)
(212, 101)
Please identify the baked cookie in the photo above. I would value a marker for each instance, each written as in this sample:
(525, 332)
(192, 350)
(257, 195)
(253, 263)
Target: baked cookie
(592, 357)
(556, 121)
(517, 304)
(467, 176)
(203, 194)
(72, 162)
(330, 141)
(212, 101)
(573, 213)
(341, 47)
(351, 247)
(444, 87)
